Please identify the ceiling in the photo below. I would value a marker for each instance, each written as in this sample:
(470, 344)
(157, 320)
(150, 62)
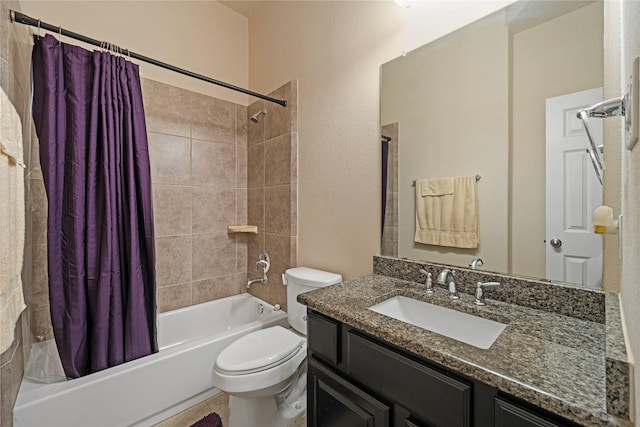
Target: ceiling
(243, 7)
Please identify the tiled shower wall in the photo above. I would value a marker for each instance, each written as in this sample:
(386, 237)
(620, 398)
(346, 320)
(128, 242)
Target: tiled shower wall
(198, 147)
(273, 191)
(390, 226)
(14, 80)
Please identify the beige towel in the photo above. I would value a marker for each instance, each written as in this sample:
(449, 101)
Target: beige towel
(444, 217)
(12, 223)
(436, 186)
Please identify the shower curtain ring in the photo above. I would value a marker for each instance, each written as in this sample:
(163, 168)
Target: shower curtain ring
(59, 35)
(38, 33)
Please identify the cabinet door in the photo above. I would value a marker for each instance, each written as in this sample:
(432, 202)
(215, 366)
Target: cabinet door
(510, 415)
(334, 402)
(429, 395)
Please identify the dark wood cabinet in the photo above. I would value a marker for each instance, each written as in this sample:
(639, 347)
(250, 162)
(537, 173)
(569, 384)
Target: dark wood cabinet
(511, 415)
(335, 402)
(357, 380)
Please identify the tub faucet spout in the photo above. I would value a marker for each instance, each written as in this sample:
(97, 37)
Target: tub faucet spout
(262, 280)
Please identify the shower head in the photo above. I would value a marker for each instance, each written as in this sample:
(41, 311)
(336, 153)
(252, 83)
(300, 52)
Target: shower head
(254, 118)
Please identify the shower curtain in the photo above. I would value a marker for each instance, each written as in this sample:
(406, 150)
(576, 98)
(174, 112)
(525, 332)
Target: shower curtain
(89, 117)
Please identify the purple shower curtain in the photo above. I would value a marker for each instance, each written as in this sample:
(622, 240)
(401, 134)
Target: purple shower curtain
(89, 117)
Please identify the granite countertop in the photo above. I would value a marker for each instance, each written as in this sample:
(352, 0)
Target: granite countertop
(554, 361)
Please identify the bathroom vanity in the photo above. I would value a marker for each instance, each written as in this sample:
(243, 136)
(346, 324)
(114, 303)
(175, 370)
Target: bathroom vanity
(544, 369)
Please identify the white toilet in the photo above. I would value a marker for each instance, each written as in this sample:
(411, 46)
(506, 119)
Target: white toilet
(264, 372)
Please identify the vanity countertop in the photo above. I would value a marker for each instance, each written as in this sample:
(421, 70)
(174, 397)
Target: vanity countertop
(553, 361)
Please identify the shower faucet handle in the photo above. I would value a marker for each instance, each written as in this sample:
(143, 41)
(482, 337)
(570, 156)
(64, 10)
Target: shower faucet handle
(264, 263)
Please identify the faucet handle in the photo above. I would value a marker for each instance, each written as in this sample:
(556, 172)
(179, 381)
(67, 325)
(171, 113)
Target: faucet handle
(479, 296)
(429, 283)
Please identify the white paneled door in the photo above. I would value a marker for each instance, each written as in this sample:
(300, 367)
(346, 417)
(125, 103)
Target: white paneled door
(573, 250)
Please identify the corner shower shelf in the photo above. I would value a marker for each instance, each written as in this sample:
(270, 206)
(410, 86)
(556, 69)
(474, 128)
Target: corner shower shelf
(232, 229)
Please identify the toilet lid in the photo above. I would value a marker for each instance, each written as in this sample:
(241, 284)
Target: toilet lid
(259, 350)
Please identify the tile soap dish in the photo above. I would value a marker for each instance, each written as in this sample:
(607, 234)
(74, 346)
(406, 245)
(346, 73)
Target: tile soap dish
(232, 229)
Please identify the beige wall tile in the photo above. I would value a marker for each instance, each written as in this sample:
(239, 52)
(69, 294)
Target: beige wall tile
(277, 209)
(38, 204)
(37, 293)
(255, 131)
(241, 166)
(255, 166)
(255, 245)
(170, 158)
(242, 248)
(241, 125)
(212, 119)
(241, 207)
(281, 121)
(213, 164)
(277, 160)
(279, 248)
(214, 255)
(171, 210)
(40, 322)
(294, 159)
(173, 297)
(255, 210)
(213, 209)
(166, 108)
(215, 288)
(38, 289)
(4, 31)
(173, 260)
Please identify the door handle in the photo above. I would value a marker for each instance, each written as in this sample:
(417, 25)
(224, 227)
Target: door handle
(556, 243)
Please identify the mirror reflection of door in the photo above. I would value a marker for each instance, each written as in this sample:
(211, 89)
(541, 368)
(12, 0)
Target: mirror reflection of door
(573, 250)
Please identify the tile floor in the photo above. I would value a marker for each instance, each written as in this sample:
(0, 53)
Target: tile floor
(219, 404)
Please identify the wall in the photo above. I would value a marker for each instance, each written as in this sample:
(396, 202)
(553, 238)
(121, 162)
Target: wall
(272, 163)
(198, 152)
(14, 80)
(334, 50)
(558, 57)
(630, 289)
(201, 36)
(451, 101)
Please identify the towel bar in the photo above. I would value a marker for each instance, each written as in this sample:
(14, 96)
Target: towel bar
(413, 184)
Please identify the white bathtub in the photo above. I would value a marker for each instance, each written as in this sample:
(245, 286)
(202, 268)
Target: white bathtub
(148, 390)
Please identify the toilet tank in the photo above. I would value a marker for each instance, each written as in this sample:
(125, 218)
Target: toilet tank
(300, 280)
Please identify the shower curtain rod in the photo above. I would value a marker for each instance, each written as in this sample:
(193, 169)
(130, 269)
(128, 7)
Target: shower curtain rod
(27, 20)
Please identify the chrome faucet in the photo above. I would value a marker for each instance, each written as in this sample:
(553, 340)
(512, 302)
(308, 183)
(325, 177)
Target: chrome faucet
(477, 262)
(479, 297)
(264, 263)
(448, 278)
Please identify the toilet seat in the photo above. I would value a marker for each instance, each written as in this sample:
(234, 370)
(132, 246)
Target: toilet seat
(258, 351)
(281, 355)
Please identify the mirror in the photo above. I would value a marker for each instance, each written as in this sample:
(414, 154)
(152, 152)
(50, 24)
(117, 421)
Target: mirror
(475, 102)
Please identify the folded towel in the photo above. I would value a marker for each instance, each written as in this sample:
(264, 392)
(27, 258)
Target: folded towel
(436, 186)
(447, 218)
(12, 225)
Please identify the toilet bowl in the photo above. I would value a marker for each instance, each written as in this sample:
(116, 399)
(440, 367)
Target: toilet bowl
(264, 372)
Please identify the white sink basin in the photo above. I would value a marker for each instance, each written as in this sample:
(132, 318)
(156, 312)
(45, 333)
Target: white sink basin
(473, 330)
